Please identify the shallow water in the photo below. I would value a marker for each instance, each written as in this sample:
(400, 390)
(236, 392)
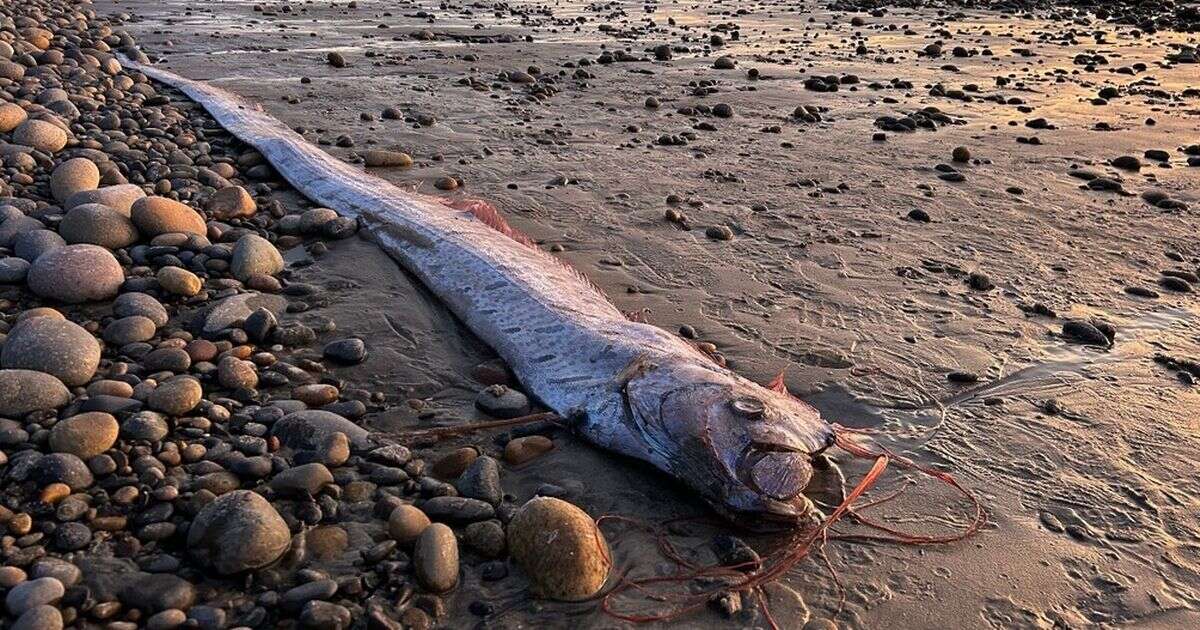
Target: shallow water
(1093, 508)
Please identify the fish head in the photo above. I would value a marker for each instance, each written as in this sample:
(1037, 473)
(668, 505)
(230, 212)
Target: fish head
(747, 449)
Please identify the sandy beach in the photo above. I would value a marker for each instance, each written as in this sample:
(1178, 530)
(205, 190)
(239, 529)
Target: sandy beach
(969, 231)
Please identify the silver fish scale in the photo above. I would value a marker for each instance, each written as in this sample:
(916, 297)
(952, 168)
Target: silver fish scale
(564, 340)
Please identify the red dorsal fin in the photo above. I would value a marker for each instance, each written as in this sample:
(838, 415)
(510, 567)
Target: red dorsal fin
(776, 384)
(641, 316)
(490, 216)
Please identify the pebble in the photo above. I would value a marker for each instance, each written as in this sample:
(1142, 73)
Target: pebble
(120, 197)
(481, 480)
(381, 158)
(76, 273)
(406, 523)
(254, 254)
(41, 135)
(72, 176)
(176, 396)
(522, 450)
(55, 346)
(43, 617)
(435, 558)
(232, 202)
(501, 401)
(238, 531)
(127, 330)
(29, 595)
(303, 480)
(23, 391)
(155, 592)
(148, 426)
(345, 351)
(454, 463)
(142, 304)
(98, 225)
(453, 509)
(11, 115)
(84, 435)
(564, 554)
(159, 215)
(179, 281)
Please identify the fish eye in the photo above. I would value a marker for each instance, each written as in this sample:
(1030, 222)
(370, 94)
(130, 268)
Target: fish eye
(748, 407)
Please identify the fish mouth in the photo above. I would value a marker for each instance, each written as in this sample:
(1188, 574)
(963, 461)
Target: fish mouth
(778, 474)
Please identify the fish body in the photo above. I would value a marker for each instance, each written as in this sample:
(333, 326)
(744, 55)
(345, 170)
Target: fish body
(629, 387)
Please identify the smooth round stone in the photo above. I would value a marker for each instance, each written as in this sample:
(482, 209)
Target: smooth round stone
(14, 226)
(435, 558)
(560, 548)
(119, 197)
(167, 360)
(501, 401)
(99, 225)
(55, 346)
(160, 215)
(40, 135)
(307, 479)
(481, 480)
(453, 509)
(232, 202)
(155, 592)
(524, 449)
(13, 269)
(176, 396)
(11, 576)
(406, 523)
(61, 570)
(451, 465)
(31, 245)
(305, 430)
(76, 273)
(381, 158)
(238, 531)
(145, 425)
(11, 71)
(72, 176)
(11, 115)
(143, 304)
(128, 330)
(43, 617)
(179, 281)
(321, 615)
(312, 220)
(316, 394)
(34, 593)
(327, 541)
(346, 351)
(23, 391)
(334, 450)
(72, 536)
(62, 468)
(40, 311)
(252, 255)
(486, 538)
(85, 435)
(168, 619)
(235, 373)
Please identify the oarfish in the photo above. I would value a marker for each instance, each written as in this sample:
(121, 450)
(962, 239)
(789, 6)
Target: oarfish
(626, 386)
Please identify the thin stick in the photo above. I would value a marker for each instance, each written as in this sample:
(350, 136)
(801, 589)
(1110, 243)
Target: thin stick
(443, 432)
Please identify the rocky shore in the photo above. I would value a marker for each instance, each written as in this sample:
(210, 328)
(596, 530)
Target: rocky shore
(178, 449)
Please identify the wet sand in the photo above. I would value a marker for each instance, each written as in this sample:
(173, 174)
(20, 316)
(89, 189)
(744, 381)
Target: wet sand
(1092, 507)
